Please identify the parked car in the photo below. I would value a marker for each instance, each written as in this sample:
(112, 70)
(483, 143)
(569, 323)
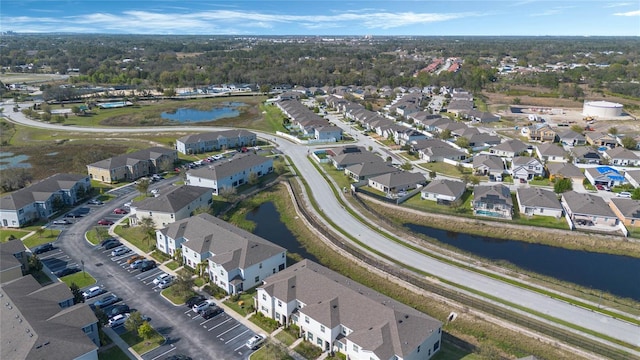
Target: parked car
(42, 248)
(196, 299)
(160, 278)
(256, 341)
(73, 215)
(67, 271)
(120, 211)
(127, 205)
(136, 264)
(120, 251)
(105, 222)
(202, 306)
(62, 222)
(165, 283)
(95, 202)
(135, 258)
(624, 194)
(107, 300)
(117, 310)
(105, 241)
(118, 320)
(523, 180)
(211, 311)
(179, 357)
(93, 292)
(113, 244)
(147, 265)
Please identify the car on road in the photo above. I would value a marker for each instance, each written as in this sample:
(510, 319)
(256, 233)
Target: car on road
(155, 192)
(95, 202)
(211, 311)
(202, 306)
(111, 245)
(107, 300)
(105, 222)
(147, 265)
(117, 310)
(135, 258)
(120, 211)
(67, 271)
(120, 251)
(624, 194)
(62, 222)
(43, 248)
(93, 292)
(196, 299)
(160, 278)
(256, 341)
(136, 264)
(73, 215)
(165, 283)
(118, 320)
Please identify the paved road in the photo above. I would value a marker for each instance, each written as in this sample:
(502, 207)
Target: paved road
(597, 322)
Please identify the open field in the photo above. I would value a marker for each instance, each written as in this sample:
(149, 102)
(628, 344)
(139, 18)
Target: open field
(27, 78)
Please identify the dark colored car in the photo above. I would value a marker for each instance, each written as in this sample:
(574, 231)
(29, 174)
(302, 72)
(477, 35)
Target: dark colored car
(147, 265)
(106, 301)
(105, 241)
(73, 215)
(211, 311)
(43, 248)
(111, 245)
(178, 357)
(117, 310)
(197, 299)
(67, 271)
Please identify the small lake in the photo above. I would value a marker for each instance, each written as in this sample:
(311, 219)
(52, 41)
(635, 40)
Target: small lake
(9, 160)
(225, 110)
(614, 274)
(269, 226)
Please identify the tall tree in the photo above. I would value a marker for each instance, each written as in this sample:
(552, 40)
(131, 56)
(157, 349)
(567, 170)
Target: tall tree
(77, 294)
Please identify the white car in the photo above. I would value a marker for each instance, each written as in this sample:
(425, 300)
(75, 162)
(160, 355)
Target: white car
(118, 320)
(92, 292)
(202, 306)
(161, 278)
(624, 194)
(255, 341)
(165, 283)
(120, 251)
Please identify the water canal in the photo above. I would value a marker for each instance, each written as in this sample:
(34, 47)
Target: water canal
(225, 110)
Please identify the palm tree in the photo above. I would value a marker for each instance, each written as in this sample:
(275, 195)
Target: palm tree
(148, 228)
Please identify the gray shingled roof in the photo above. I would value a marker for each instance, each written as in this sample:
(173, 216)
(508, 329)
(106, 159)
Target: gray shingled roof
(132, 158)
(550, 149)
(621, 153)
(587, 204)
(493, 162)
(399, 179)
(371, 168)
(225, 168)
(539, 198)
(445, 187)
(522, 160)
(492, 194)
(356, 158)
(174, 200)
(567, 170)
(629, 208)
(230, 246)
(35, 310)
(379, 323)
(40, 191)
(7, 250)
(513, 145)
(214, 135)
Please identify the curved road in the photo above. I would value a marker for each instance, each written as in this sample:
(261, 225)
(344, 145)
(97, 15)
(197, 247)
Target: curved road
(596, 322)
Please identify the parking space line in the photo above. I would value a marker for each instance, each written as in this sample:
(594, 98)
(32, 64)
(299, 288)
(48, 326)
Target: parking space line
(153, 275)
(239, 347)
(197, 316)
(206, 321)
(238, 324)
(165, 353)
(235, 337)
(188, 311)
(219, 324)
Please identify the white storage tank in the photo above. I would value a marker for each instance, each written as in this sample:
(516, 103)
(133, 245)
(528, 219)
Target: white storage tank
(602, 109)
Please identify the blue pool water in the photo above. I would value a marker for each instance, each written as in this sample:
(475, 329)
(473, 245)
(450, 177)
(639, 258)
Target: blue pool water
(225, 110)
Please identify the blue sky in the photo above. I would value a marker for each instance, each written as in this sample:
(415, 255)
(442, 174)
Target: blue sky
(325, 17)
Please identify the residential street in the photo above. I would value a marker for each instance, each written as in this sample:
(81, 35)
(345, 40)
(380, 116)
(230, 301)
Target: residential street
(596, 322)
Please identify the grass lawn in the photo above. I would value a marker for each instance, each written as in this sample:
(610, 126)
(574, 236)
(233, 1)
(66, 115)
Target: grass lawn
(198, 281)
(6, 233)
(543, 182)
(285, 338)
(173, 265)
(242, 305)
(42, 278)
(81, 279)
(267, 324)
(418, 203)
(135, 235)
(97, 234)
(446, 169)
(543, 221)
(307, 350)
(49, 235)
(141, 345)
(272, 121)
(271, 351)
(176, 298)
(337, 175)
(160, 256)
(450, 352)
(113, 353)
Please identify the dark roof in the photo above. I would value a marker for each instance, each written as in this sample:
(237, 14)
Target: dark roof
(40, 191)
(174, 200)
(445, 187)
(399, 179)
(151, 153)
(377, 167)
(536, 197)
(225, 168)
(35, 310)
(378, 323)
(587, 204)
(215, 135)
(492, 194)
(7, 251)
(629, 208)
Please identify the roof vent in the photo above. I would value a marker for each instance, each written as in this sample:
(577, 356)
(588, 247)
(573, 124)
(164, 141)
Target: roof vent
(47, 343)
(399, 321)
(406, 316)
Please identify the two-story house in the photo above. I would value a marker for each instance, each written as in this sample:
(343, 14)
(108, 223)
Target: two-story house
(526, 167)
(215, 140)
(176, 204)
(492, 201)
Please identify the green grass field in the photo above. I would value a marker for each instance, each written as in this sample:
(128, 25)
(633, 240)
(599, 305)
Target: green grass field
(141, 345)
(47, 236)
(6, 233)
(81, 279)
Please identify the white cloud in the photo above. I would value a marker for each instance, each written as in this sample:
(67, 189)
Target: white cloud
(629, 13)
(613, 5)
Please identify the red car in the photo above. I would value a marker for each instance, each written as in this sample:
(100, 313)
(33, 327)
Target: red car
(105, 222)
(120, 211)
(599, 187)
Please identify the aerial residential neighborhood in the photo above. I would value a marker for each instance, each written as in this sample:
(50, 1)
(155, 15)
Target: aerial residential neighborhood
(252, 184)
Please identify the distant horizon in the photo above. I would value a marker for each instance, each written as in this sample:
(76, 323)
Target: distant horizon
(493, 18)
